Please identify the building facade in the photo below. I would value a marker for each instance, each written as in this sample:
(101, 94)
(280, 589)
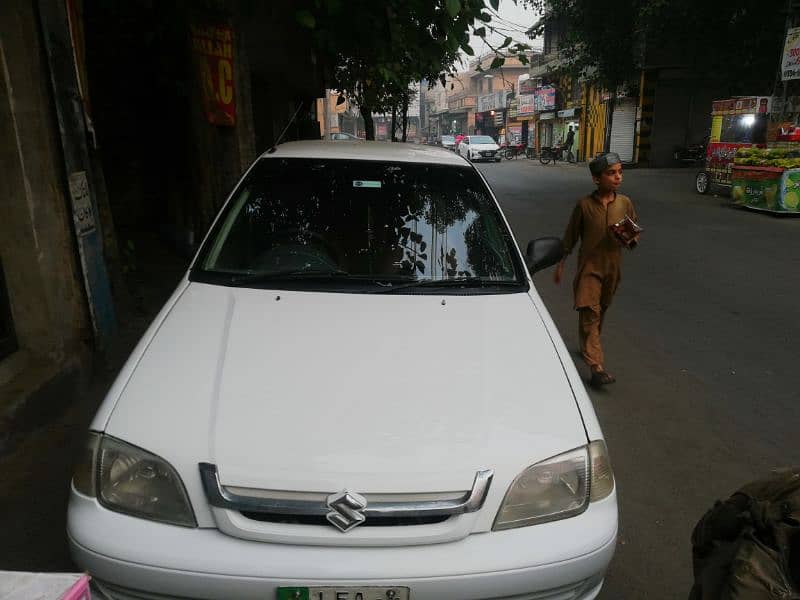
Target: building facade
(668, 107)
(121, 121)
(474, 102)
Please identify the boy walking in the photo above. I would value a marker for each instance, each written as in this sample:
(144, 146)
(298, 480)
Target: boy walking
(599, 257)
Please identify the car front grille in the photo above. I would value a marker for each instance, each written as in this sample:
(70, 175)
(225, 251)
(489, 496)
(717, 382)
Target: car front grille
(310, 508)
(321, 520)
(344, 518)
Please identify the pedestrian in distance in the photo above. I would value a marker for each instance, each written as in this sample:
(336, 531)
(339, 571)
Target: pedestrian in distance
(569, 143)
(594, 221)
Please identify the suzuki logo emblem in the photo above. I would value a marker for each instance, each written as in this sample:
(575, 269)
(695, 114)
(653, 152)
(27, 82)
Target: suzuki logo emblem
(346, 510)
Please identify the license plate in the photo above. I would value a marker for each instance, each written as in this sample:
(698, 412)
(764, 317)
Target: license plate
(343, 593)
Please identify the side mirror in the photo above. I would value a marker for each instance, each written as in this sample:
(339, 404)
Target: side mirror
(543, 253)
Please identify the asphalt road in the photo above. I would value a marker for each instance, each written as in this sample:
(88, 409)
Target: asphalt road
(703, 339)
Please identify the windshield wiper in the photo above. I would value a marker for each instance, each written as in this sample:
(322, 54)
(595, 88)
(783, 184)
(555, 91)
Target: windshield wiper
(463, 282)
(289, 274)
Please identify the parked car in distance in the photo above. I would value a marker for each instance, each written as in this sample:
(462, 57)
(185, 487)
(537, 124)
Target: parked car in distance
(344, 137)
(449, 142)
(479, 147)
(354, 392)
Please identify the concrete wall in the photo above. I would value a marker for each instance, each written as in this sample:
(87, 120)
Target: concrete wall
(167, 168)
(221, 154)
(36, 240)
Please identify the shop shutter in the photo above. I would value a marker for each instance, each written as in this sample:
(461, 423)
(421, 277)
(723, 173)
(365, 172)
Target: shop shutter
(623, 128)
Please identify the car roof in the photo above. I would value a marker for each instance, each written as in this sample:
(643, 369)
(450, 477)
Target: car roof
(363, 150)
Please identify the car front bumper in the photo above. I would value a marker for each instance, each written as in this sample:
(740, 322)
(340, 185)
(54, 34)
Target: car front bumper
(484, 155)
(143, 559)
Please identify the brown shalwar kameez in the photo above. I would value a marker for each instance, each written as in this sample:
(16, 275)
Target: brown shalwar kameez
(598, 265)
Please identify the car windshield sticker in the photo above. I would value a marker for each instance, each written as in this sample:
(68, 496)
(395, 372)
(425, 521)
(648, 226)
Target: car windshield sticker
(361, 183)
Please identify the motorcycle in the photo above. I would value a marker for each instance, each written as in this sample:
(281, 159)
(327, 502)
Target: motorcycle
(549, 153)
(513, 151)
(692, 154)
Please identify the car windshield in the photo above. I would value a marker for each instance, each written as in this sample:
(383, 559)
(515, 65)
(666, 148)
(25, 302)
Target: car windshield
(480, 139)
(448, 139)
(360, 221)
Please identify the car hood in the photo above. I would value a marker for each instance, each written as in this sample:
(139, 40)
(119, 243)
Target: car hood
(323, 391)
(484, 147)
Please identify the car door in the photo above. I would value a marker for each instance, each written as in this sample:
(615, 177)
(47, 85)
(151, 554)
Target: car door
(463, 147)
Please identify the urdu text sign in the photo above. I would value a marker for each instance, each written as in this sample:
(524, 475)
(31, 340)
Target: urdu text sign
(212, 46)
(790, 66)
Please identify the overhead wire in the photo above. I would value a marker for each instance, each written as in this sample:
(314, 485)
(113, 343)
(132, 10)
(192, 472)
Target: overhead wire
(509, 23)
(508, 28)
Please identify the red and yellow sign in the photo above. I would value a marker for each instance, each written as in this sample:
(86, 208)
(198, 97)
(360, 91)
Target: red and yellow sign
(741, 106)
(212, 47)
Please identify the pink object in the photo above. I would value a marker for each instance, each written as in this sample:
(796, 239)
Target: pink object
(21, 585)
(79, 590)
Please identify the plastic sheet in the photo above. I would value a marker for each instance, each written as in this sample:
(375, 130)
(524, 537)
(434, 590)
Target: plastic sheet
(19, 585)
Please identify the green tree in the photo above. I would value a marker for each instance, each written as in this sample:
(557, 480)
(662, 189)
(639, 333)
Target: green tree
(371, 51)
(733, 44)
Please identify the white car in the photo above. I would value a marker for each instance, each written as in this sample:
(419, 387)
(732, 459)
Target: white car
(479, 147)
(355, 393)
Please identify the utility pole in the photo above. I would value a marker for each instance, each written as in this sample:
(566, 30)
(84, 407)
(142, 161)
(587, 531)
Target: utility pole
(328, 116)
(508, 108)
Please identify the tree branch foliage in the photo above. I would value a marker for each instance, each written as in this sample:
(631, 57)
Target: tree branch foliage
(733, 44)
(371, 51)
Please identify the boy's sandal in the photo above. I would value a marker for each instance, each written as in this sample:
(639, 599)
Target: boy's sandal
(601, 378)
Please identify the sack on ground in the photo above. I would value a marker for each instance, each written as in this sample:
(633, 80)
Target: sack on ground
(748, 547)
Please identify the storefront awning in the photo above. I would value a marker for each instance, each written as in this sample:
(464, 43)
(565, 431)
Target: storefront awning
(570, 112)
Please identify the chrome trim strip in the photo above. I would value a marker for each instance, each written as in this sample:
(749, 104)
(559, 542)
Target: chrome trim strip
(220, 497)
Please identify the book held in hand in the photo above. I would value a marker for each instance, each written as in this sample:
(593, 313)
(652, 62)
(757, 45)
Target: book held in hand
(626, 230)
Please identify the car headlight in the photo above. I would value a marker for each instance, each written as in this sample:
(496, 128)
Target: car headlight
(557, 488)
(130, 480)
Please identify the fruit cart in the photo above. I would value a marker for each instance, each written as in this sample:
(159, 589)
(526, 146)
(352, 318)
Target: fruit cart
(735, 123)
(767, 179)
(754, 150)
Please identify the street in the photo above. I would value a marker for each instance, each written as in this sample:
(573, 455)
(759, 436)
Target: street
(702, 339)
(335, 136)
